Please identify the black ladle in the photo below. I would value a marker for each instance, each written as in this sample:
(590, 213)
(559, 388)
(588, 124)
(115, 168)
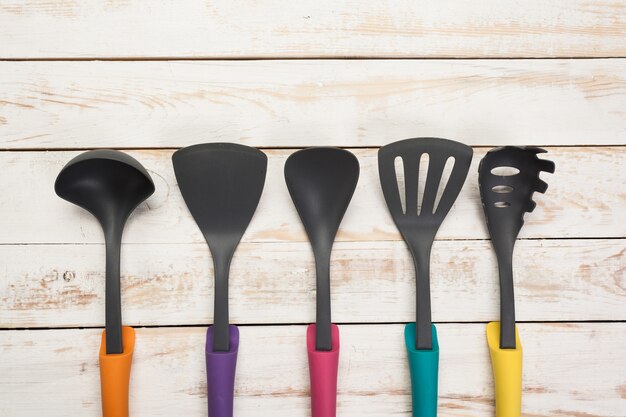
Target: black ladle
(110, 185)
(321, 182)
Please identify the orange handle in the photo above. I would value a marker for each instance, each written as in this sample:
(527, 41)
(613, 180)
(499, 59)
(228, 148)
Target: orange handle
(115, 375)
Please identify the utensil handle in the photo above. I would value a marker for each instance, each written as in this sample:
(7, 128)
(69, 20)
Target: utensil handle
(220, 370)
(323, 365)
(507, 373)
(424, 368)
(115, 375)
(113, 310)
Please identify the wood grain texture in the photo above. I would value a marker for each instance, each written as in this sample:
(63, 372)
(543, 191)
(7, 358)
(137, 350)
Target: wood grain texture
(556, 280)
(586, 198)
(273, 28)
(55, 105)
(569, 370)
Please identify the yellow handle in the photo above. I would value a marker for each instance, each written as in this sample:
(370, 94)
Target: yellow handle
(115, 375)
(507, 373)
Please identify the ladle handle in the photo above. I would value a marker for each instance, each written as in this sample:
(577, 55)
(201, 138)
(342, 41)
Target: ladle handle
(115, 375)
(507, 373)
(220, 369)
(113, 302)
(424, 369)
(323, 365)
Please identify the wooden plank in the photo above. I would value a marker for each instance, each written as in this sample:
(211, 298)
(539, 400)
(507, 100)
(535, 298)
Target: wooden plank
(55, 105)
(34, 214)
(273, 28)
(556, 280)
(569, 370)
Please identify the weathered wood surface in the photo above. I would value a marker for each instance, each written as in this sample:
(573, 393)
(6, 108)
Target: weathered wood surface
(569, 370)
(556, 280)
(586, 198)
(570, 260)
(271, 28)
(305, 103)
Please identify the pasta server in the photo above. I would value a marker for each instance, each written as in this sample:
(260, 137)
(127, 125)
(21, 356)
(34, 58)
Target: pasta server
(110, 185)
(418, 224)
(508, 177)
(221, 184)
(321, 182)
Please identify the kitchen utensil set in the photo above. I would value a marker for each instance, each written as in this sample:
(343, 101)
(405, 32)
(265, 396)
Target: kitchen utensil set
(222, 183)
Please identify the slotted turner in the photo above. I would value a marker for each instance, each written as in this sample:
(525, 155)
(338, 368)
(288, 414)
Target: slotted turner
(419, 228)
(508, 177)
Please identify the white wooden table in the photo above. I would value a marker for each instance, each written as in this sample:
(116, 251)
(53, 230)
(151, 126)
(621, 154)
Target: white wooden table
(151, 76)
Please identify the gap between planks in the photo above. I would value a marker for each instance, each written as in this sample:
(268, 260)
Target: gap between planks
(273, 148)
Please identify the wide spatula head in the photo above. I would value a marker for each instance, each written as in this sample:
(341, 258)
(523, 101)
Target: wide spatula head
(221, 184)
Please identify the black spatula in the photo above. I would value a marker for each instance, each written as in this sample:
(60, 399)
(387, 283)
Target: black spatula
(221, 184)
(418, 224)
(321, 182)
(419, 229)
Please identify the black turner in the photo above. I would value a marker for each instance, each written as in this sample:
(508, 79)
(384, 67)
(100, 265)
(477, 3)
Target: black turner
(221, 184)
(420, 228)
(508, 177)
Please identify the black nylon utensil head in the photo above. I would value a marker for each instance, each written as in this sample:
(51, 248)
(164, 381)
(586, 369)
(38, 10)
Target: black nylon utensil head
(110, 185)
(506, 198)
(221, 184)
(419, 227)
(321, 182)
(508, 177)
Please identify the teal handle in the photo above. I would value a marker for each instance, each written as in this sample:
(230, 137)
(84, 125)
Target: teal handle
(424, 367)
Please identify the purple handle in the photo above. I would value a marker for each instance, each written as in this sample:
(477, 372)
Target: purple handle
(220, 371)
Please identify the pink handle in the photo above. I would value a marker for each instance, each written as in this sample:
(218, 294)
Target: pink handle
(323, 372)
